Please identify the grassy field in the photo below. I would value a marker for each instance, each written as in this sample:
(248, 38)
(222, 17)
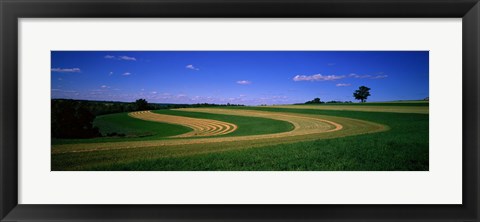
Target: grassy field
(367, 140)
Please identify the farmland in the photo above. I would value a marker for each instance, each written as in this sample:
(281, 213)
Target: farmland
(370, 136)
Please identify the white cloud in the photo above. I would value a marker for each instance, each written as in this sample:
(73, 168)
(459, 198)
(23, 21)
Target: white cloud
(181, 95)
(353, 75)
(317, 77)
(104, 87)
(127, 58)
(244, 82)
(111, 73)
(192, 67)
(343, 84)
(380, 77)
(126, 74)
(65, 70)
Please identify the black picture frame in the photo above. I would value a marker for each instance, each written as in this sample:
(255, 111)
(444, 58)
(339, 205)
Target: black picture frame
(12, 10)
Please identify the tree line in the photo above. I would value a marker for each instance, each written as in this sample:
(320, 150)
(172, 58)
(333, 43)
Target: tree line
(362, 93)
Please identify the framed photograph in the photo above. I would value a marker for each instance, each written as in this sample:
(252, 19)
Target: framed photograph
(224, 110)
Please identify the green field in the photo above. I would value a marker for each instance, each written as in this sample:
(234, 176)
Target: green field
(390, 137)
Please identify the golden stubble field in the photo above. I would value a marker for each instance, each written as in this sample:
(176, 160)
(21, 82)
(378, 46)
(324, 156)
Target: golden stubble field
(202, 138)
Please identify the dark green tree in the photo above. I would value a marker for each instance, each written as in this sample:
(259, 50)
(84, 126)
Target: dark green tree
(141, 104)
(362, 93)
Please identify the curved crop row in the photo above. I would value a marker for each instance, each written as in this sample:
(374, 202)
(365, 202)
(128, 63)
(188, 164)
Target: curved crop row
(201, 127)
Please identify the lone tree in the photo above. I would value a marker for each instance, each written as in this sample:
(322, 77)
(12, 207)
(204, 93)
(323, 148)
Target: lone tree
(362, 93)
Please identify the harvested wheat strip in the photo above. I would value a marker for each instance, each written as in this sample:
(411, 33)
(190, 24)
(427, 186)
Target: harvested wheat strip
(223, 129)
(201, 127)
(212, 127)
(207, 128)
(216, 129)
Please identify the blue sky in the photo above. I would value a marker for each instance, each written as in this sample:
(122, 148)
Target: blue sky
(240, 77)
